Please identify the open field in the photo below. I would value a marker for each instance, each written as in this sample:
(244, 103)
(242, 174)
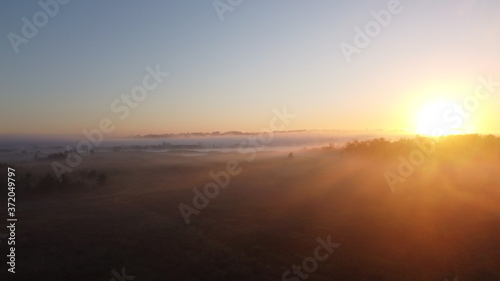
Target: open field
(234, 140)
(442, 221)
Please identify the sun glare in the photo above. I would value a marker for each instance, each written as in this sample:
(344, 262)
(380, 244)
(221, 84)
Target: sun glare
(439, 118)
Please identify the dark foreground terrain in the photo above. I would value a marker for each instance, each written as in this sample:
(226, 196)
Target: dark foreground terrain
(120, 211)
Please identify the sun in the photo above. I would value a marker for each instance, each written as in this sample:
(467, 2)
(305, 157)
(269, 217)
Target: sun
(439, 118)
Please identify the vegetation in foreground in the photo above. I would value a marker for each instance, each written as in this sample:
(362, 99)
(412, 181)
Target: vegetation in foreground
(442, 221)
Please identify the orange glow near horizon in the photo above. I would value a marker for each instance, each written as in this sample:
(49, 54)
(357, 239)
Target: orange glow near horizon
(441, 117)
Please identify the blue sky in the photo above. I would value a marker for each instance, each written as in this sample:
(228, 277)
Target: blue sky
(230, 74)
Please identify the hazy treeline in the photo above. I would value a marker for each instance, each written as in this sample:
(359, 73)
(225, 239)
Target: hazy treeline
(454, 145)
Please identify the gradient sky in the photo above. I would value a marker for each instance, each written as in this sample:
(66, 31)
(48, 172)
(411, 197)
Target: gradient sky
(229, 75)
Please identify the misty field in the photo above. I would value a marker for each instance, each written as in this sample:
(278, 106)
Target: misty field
(121, 210)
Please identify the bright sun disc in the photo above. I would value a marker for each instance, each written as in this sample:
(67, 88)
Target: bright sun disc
(434, 120)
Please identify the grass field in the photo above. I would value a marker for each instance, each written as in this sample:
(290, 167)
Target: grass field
(442, 222)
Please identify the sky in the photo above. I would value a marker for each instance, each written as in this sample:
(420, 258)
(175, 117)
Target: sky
(231, 64)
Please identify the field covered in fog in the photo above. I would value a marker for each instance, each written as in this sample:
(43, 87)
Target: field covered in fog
(390, 214)
(233, 140)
